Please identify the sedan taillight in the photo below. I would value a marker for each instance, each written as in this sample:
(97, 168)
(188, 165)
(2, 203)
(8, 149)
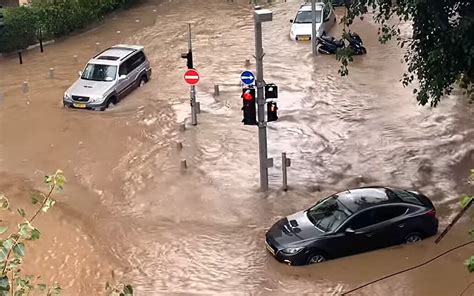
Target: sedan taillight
(432, 213)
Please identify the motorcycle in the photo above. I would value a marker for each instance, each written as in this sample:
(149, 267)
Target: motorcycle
(330, 45)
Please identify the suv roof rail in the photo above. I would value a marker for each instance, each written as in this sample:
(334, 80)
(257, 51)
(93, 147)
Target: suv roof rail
(130, 53)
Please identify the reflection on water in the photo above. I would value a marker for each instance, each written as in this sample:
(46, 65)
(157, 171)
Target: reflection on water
(202, 230)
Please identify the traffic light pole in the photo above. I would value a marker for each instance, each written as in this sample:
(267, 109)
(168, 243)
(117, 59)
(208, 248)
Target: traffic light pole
(192, 91)
(261, 15)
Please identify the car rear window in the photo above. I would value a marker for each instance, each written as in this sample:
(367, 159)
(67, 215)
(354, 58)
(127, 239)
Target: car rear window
(407, 197)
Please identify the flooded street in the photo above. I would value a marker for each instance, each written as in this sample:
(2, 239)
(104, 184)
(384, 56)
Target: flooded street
(128, 205)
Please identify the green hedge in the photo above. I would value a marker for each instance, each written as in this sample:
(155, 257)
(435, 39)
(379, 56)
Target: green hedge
(52, 18)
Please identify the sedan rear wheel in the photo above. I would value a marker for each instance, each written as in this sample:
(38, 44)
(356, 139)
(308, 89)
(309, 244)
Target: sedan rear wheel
(316, 258)
(413, 238)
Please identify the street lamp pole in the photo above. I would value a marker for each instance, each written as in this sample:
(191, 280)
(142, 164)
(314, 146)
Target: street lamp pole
(313, 34)
(261, 15)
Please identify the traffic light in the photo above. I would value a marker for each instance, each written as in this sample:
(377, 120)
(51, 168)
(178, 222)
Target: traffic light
(271, 91)
(189, 57)
(272, 111)
(248, 108)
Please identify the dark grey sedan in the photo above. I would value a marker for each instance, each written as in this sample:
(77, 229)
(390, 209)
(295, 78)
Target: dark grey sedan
(350, 222)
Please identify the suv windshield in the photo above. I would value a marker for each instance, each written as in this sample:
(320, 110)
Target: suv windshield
(306, 17)
(328, 214)
(99, 72)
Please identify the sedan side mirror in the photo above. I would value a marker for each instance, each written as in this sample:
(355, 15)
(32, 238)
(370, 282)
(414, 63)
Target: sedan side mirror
(350, 230)
(291, 21)
(79, 73)
(122, 77)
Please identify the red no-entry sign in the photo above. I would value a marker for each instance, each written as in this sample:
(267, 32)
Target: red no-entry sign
(191, 77)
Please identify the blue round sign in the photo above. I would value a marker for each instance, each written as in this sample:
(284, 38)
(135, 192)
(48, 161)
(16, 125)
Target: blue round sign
(247, 77)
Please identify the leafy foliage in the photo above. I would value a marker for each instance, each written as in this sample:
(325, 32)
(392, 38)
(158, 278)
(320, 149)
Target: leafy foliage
(440, 51)
(45, 19)
(12, 247)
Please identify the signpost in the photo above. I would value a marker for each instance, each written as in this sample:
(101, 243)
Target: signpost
(247, 77)
(191, 77)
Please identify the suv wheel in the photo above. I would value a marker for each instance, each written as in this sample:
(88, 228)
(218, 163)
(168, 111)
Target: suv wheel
(142, 81)
(111, 100)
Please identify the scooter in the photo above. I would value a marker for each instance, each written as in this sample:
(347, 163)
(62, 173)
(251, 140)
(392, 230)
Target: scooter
(330, 45)
(355, 43)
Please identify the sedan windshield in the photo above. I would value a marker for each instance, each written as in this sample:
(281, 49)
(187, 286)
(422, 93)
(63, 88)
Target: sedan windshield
(328, 214)
(99, 72)
(306, 17)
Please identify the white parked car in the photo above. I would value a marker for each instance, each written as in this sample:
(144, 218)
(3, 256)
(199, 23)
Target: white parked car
(301, 29)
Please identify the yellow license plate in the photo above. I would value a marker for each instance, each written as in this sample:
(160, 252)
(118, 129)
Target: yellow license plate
(303, 38)
(79, 105)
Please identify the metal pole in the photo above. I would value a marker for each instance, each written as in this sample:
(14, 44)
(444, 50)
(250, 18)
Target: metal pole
(313, 35)
(192, 90)
(283, 168)
(262, 126)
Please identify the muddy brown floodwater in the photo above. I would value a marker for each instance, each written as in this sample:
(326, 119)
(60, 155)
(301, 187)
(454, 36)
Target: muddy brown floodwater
(128, 207)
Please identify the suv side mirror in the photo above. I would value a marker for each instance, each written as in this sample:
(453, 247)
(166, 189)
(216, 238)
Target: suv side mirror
(291, 21)
(122, 77)
(79, 73)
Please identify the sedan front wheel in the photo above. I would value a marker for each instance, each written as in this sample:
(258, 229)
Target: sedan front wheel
(316, 258)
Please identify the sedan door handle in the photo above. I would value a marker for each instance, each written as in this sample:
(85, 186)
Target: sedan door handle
(369, 234)
(401, 225)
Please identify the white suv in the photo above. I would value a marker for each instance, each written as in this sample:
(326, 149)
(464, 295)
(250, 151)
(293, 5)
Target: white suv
(108, 77)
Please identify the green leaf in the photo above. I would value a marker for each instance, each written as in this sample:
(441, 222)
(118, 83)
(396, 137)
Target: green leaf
(41, 287)
(56, 290)
(35, 234)
(36, 197)
(25, 229)
(19, 249)
(470, 264)
(466, 200)
(4, 284)
(48, 204)
(128, 290)
(8, 244)
(4, 202)
(3, 229)
(21, 212)
(3, 253)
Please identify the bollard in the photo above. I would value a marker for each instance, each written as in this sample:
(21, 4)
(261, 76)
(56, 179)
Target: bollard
(20, 57)
(182, 127)
(184, 165)
(179, 146)
(74, 58)
(285, 163)
(97, 46)
(247, 63)
(51, 73)
(216, 90)
(25, 87)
